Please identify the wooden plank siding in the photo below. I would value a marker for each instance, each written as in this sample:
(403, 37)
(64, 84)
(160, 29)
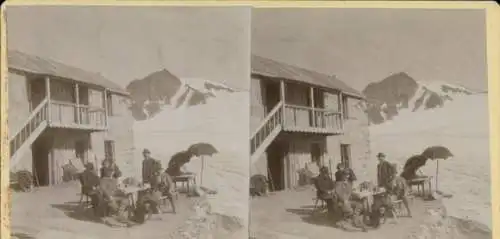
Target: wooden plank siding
(312, 116)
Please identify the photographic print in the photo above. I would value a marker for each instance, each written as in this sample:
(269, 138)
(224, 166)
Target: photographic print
(369, 123)
(128, 121)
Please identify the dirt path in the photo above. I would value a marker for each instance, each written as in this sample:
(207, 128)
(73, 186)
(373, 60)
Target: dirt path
(52, 212)
(288, 215)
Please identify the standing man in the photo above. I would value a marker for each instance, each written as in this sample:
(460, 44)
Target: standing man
(149, 166)
(385, 172)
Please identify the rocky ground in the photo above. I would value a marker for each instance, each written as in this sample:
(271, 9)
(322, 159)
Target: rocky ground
(288, 214)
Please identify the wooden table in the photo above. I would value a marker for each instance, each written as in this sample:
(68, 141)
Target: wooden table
(420, 183)
(184, 179)
(366, 195)
(132, 193)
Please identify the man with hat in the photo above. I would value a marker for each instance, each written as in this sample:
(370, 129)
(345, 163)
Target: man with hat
(324, 185)
(149, 166)
(385, 171)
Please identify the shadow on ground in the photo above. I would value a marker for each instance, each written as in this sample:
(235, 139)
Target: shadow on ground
(20, 235)
(308, 214)
(75, 211)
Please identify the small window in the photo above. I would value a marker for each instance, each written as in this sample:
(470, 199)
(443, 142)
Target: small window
(109, 149)
(345, 107)
(109, 104)
(345, 155)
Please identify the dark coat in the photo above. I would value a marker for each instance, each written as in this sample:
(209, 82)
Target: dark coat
(323, 184)
(339, 175)
(385, 172)
(149, 167)
(177, 161)
(112, 171)
(89, 181)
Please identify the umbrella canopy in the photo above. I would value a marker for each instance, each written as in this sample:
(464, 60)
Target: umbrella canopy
(201, 149)
(412, 165)
(437, 152)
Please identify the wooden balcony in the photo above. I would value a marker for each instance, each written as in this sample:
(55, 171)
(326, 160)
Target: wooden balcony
(311, 120)
(73, 116)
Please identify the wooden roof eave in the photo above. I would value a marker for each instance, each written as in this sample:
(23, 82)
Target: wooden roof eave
(333, 90)
(114, 91)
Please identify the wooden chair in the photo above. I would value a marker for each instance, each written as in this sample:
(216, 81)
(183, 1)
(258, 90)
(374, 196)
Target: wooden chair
(319, 204)
(317, 200)
(82, 193)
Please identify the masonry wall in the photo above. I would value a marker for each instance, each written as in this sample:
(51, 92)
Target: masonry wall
(356, 134)
(121, 132)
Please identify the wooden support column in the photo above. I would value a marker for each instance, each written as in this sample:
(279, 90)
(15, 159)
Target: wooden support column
(47, 93)
(341, 109)
(105, 94)
(77, 101)
(311, 94)
(282, 94)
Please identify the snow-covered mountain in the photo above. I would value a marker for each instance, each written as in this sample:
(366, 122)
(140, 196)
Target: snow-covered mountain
(400, 93)
(162, 89)
(462, 126)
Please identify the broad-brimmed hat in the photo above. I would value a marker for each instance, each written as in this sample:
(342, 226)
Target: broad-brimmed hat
(146, 151)
(379, 155)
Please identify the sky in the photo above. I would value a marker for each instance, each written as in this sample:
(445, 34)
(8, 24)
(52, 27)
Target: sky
(128, 43)
(360, 46)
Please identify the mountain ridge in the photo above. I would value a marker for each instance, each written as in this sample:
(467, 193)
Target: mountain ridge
(162, 89)
(399, 92)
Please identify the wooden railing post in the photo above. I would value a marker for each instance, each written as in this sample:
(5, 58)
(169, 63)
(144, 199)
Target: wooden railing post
(77, 96)
(105, 107)
(283, 91)
(341, 110)
(311, 91)
(47, 93)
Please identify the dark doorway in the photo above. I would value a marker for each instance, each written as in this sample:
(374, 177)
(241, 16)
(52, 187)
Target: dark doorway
(41, 158)
(81, 147)
(275, 163)
(316, 154)
(272, 94)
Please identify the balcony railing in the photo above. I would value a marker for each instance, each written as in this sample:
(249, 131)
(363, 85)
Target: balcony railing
(70, 115)
(308, 119)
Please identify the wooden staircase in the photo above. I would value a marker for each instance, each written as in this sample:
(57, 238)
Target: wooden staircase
(36, 123)
(268, 130)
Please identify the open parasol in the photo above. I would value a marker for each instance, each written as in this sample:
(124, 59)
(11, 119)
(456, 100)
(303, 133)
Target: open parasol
(437, 152)
(201, 150)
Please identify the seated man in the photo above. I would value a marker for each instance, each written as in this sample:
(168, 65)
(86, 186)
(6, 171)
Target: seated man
(324, 186)
(109, 167)
(113, 201)
(89, 183)
(351, 209)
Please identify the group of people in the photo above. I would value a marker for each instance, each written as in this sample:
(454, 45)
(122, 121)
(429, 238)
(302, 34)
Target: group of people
(111, 204)
(347, 204)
